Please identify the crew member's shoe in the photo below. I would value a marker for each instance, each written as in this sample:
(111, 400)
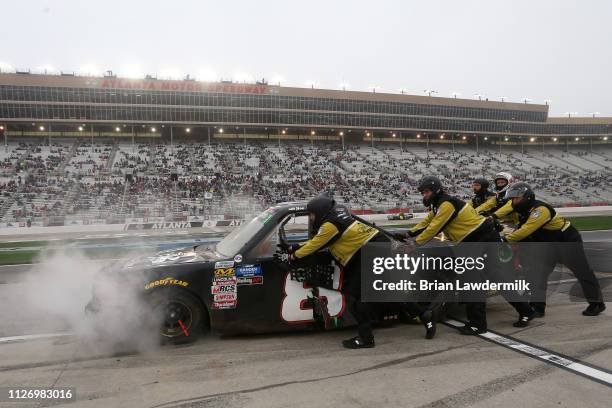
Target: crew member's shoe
(468, 330)
(357, 343)
(539, 307)
(523, 321)
(594, 309)
(429, 321)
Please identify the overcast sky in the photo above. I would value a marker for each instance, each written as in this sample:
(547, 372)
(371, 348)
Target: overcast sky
(557, 50)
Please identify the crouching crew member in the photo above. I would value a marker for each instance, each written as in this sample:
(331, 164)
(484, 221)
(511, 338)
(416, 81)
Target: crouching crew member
(539, 222)
(344, 237)
(460, 223)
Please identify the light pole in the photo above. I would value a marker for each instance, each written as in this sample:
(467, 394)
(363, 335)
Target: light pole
(401, 145)
(476, 144)
(342, 137)
(279, 133)
(80, 128)
(117, 129)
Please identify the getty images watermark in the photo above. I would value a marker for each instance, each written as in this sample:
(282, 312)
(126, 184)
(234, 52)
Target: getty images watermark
(447, 272)
(459, 265)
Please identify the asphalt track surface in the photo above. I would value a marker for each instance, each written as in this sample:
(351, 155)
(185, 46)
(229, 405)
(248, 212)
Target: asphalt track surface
(312, 369)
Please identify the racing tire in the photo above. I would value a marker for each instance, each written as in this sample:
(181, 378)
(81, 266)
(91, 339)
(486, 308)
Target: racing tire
(178, 315)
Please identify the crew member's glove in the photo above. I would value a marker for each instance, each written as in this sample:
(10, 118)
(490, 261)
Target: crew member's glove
(498, 226)
(289, 248)
(281, 257)
(400, 236)
(409, 246)
(504, 239)
(413, 234)
(283, 247)
(293, 248)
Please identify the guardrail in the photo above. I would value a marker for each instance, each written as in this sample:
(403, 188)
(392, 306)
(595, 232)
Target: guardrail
(377, 218)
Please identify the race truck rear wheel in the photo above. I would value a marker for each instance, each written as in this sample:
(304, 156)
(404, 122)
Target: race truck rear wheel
(180, 316)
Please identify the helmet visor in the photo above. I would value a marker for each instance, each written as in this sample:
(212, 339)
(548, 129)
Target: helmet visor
(515, 192)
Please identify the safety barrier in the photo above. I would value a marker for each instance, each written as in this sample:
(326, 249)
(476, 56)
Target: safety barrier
(24, 229)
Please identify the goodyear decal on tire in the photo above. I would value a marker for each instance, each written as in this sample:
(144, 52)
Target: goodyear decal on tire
(166, 282)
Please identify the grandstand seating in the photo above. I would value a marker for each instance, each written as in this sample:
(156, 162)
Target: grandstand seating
(115, 179)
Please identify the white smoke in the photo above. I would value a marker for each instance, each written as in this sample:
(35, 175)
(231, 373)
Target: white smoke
(60, 286)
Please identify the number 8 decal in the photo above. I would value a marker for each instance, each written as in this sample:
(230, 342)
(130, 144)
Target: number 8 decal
(294, 307)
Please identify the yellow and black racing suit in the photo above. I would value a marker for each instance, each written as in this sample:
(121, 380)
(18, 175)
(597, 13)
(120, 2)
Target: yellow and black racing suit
(341, 233)
(540, 223)
(481, 198)
(460, 223)
(344, 236)
(499, 206)
(450, 215)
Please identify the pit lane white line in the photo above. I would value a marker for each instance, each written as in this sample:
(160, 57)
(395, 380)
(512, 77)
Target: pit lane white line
(27, 337)
(592, 372)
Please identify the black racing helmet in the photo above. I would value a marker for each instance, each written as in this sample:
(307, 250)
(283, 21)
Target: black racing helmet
(433, 184)
(520, 190)
(484, 184)
(320, 206)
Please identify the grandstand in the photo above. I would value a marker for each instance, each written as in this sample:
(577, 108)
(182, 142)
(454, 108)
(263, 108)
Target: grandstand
(107, 149)
(72, 179)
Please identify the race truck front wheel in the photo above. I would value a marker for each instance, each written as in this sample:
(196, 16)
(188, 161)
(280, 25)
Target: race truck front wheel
(180, 316)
